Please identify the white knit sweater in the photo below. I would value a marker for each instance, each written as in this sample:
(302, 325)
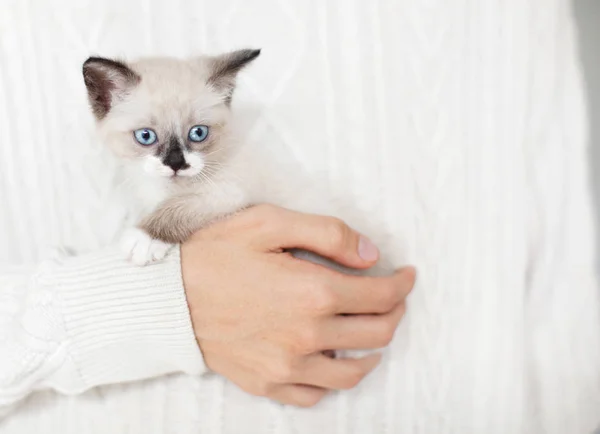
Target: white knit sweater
(462, 122)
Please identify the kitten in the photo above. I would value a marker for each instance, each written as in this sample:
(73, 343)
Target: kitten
(170, 123)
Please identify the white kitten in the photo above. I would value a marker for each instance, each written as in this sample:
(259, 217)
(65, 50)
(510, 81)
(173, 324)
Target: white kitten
(169, 121)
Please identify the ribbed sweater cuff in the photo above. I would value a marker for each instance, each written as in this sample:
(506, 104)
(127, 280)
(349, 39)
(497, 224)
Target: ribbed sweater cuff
(124, 323)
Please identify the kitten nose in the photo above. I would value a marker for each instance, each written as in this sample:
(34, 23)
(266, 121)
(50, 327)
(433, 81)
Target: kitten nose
(175, 159)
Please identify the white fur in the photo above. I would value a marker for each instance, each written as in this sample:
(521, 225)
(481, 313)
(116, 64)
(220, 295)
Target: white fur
(141, 249)
(223, 176)
(154, 166)
(196, 163)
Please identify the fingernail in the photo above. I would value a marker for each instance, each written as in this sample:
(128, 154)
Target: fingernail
(367, 250)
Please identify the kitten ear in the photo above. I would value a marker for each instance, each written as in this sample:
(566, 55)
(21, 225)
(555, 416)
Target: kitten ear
(106, 81)
(225, 67)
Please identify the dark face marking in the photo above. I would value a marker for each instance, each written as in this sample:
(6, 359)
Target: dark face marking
(105, 78)
(173, 156)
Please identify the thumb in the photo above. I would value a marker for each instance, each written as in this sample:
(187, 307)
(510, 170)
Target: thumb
(326, 236)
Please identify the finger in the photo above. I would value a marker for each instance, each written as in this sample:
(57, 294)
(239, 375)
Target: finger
(372, 295)
(299, 395)
(327, 236)
(361, 332)
(337, 374)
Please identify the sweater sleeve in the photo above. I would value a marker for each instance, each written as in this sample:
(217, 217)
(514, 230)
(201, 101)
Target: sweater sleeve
(564, 301)
(83, 321)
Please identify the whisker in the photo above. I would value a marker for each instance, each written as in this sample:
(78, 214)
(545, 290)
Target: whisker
(213, 169)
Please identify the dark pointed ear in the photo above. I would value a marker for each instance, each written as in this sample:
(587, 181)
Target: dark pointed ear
(106, 81)
(224, 69)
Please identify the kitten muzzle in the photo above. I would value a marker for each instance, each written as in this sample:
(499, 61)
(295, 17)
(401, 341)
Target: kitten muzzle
(175, 159)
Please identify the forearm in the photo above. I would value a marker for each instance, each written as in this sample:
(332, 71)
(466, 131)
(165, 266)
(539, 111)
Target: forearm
(80, 322)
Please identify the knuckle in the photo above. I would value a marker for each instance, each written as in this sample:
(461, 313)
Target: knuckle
(282, 371)
(307, 340)
(323, 300)
(338, 232)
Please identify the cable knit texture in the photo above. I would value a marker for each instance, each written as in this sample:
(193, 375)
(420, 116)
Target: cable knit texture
(79, 322)
(461, 122)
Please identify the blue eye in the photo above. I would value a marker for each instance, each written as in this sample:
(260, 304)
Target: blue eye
(198, 134)
(145, 136)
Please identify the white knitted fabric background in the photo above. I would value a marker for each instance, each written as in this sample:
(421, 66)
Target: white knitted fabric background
(426, 110)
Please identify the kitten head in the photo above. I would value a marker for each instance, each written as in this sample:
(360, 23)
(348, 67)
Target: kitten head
(168, 115)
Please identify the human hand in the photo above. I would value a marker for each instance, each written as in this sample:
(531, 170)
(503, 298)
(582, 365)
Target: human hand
(263, 318)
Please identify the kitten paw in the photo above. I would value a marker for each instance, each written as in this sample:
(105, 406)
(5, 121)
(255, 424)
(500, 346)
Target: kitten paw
(141, 249)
